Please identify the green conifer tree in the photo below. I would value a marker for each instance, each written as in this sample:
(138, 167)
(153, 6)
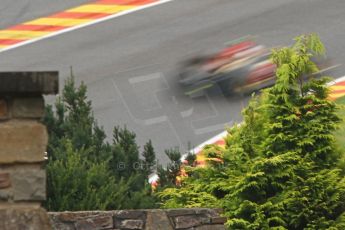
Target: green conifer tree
(149, 162)
(167, 174)
(84, 172)
(279, 168)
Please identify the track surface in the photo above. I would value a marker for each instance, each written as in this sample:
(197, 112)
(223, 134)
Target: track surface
(129, 63)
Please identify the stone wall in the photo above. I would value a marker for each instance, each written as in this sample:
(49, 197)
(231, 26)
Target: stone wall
(23, 141)
(152, 219)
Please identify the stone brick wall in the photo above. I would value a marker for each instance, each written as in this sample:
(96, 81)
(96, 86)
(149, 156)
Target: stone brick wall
(152, 219)
(23, 141)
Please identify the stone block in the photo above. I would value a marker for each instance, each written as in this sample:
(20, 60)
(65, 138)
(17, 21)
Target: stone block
(22, 141)
(3, 109)
(182, 222)
(18, 218)
(95, 222)
(189, 221)
(57, 224)
(131, 224)
(85, 225)
(29, 83)
(72, 216)
(84, 220)
(28, 107)
(61, 226)
(180, 212)
(210, 227)
(101, 221)
(130, 214)
(157, 219)
(28, 184)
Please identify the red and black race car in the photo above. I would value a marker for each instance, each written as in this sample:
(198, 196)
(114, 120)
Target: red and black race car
(241, 67)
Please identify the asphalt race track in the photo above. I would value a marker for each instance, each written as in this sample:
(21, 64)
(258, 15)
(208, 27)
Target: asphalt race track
(129, 63)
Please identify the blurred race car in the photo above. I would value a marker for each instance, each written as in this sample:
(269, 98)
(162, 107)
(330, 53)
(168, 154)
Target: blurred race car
(241, 67)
